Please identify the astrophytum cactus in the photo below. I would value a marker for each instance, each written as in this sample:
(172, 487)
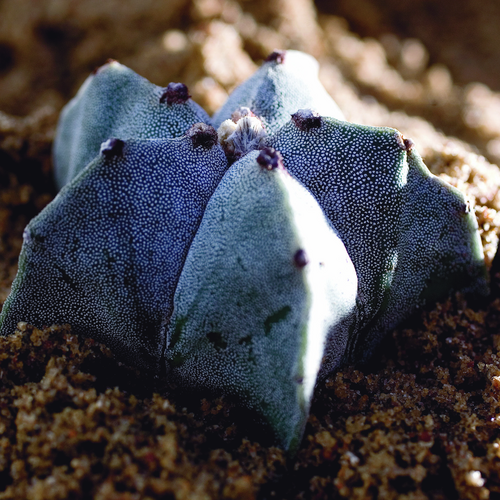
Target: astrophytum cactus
(116, 102)
(248, 260)
(283, 282)
(411, 236)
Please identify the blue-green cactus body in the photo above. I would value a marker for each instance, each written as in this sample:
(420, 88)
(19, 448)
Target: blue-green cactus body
(288, 81)
(265, 280)
(410, 235)
(106, 254)
(117, 102)
(271, 279)
(439, 251)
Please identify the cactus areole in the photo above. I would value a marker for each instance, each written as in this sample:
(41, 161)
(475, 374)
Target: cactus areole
(251, 252)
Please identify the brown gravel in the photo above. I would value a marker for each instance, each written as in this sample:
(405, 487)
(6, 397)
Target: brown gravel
(422, 420)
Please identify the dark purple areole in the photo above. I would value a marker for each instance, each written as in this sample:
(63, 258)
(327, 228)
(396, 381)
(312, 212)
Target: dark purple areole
(113, 148)
(175, 93)
(404, 143)
(306, 119)
(270, 159)
(277, 56)
(300, 258)
(202, 135)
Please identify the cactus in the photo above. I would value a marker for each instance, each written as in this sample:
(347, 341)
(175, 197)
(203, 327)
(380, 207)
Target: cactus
(116, 102)
(251, 281)
(106, 254)
(286, 82)
(411, 236)
(281, 300)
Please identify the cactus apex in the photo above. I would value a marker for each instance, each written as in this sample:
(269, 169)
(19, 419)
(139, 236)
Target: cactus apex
(238, 139)
(241, 112)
